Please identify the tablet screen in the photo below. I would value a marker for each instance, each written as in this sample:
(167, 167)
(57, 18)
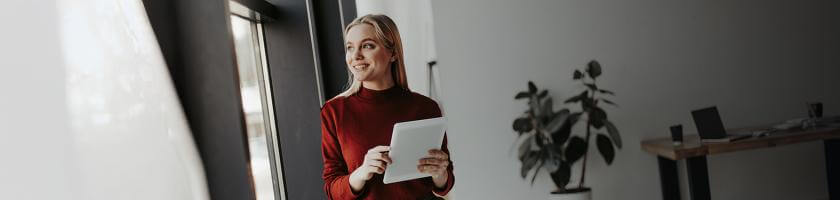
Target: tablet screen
(411, 141)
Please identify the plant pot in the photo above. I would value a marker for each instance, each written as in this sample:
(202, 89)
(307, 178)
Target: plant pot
(572, 194)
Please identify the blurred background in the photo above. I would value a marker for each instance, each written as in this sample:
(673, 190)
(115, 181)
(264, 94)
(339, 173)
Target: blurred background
(219, 99)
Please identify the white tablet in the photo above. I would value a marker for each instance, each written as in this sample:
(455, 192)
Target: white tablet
(411, 141)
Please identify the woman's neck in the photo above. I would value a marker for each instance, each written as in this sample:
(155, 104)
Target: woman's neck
(382, 84)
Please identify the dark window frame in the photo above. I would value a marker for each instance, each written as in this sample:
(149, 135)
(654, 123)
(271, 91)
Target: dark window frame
(303, 44)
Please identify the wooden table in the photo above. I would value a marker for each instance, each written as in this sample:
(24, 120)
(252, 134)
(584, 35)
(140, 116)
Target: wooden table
(695, 152)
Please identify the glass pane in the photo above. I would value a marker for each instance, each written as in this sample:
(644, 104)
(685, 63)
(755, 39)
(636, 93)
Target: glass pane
(254, 103)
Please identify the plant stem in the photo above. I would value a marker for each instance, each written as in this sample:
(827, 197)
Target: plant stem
(586, 140)
(585, 155)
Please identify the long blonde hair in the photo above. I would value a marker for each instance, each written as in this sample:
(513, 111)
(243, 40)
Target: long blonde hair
(389, 36)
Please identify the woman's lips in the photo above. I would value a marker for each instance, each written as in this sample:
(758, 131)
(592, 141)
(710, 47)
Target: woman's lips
(360, 67)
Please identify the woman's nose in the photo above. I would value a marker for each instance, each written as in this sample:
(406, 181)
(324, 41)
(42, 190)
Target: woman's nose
(357, 55)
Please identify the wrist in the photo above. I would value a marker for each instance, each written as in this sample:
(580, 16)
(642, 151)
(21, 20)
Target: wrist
(440, 181)
(356, 182)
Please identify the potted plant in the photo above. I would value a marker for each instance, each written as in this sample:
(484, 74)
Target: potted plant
(546, 135)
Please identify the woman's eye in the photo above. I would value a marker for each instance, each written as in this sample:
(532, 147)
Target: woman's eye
(349, 48)
(367, 46)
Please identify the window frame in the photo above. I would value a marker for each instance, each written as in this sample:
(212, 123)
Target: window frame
(238, 10)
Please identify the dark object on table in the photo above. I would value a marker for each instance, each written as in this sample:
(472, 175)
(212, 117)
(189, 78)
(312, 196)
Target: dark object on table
(710, 127)
(676, 134)
(815, 110)
(709, 124)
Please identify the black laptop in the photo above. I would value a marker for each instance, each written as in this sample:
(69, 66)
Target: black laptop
(710, 126)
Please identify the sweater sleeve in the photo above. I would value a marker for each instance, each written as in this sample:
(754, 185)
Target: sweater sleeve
(336, 176)
(450, 181)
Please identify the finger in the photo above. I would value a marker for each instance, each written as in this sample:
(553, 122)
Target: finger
(437, 153)
(429, 169)
(431, 161)
(378, 163)
(376, 169)
(422, 169)
(435, 161)
(379, 156)
(387, 158)
(379, 149)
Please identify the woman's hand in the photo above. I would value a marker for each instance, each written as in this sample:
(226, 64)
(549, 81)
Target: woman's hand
(435, 164)
(376, 160)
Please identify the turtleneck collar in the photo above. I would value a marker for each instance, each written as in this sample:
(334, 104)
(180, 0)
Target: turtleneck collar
(380, 95)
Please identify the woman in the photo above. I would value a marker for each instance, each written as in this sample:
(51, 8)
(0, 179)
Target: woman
(356, 125)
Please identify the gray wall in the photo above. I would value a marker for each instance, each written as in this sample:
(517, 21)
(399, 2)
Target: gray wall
(758, 61)
(329, 25)
(294, 88)
(830, 55)
(292, 67)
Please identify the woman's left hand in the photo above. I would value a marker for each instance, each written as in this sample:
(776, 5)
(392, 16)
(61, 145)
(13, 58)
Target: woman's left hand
(435, 164)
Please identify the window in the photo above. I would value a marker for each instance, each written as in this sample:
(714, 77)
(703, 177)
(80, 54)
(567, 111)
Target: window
(256, 102)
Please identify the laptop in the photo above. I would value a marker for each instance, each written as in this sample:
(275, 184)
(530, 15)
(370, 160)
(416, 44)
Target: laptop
(710, 126)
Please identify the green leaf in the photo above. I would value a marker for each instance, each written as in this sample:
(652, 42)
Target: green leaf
(532, 88)
(536, 107)
(548, 106)
(537, 170)
(605, 147)
(523, 125)
(529, 162)
(543, 94)
(596, 123)
(583, 95)
(578, 75)
(608, 101)
(593, 69)
(591, 86)
(539, 142)
(587, 103)
(576, 149)
(525, 147)
(613, 131)
(574, 117)
(522, 95)
(562, 176)
(606, 91)
(562, 134)
(552, 162)
(557, 121)
(597, 116)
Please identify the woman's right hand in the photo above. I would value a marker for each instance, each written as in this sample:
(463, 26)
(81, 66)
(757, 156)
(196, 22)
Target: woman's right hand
(376, 160)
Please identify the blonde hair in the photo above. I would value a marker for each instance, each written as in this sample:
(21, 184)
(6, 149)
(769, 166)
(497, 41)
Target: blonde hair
(389, 36)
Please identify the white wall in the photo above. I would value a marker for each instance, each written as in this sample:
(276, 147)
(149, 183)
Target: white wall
(758, 61)
(35, 143)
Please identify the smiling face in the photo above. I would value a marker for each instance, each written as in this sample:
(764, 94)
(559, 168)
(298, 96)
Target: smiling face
(368, 58)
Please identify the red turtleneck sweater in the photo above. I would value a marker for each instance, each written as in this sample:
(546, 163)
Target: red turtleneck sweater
(351, 125)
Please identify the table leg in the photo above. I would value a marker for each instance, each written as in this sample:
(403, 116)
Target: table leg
(832, 162)
(698, 178)
(669, 178)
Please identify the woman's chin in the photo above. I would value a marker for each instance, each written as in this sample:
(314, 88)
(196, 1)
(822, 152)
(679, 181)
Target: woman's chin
(360, 78)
